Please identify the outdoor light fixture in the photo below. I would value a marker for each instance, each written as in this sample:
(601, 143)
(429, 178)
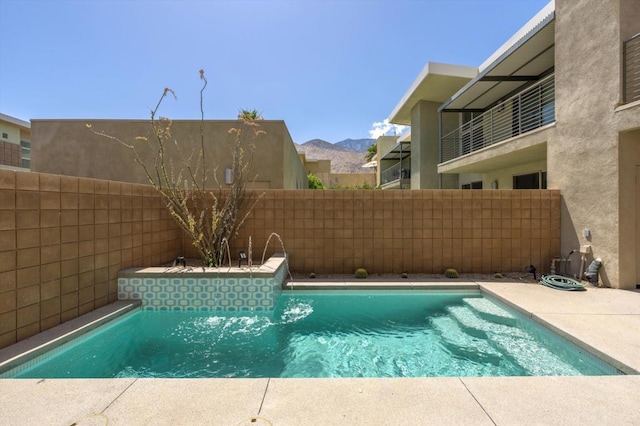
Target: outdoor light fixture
(228, 176)
(242, 256)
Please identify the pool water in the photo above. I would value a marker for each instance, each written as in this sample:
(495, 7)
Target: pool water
(326, 334)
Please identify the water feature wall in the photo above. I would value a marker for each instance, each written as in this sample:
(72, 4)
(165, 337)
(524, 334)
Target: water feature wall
(203, 289)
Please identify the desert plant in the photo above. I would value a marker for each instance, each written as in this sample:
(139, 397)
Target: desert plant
(312, 275)
(315, 182)
(498, 275)
(405, 275)
(371, 152)
(208, 217)
(451, 273)
(361, 273)
(253, 114)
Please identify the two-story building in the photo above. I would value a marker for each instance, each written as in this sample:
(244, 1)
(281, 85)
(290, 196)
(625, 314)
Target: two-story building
(557, 106)
(15, 143)
(68, 147)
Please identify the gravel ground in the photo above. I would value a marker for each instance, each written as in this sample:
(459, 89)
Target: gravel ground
(513, 276)
(505, 276)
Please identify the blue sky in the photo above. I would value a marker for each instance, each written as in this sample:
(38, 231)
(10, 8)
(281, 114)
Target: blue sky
(330, 69)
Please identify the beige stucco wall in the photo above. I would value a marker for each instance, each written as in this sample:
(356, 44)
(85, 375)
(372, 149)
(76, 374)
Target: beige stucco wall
(471, 177)
(425, 147)
(320, 168)
(351, 180)
(629, 215)
(295, 174)
(584, 156)
(67, 147)
(504, 177)
(12, 131)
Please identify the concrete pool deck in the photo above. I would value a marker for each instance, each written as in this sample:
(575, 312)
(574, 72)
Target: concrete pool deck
(607, 321)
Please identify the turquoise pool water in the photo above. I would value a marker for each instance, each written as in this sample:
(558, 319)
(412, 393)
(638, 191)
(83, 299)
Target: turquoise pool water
(325, 334)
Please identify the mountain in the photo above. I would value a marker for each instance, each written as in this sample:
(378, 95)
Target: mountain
(343, 159)
(320, 144)
(357, 145)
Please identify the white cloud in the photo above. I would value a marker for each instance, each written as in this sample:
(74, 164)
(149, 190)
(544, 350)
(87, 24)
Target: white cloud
(382, 128)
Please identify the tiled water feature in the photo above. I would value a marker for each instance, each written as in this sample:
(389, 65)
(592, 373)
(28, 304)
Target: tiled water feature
(197, 288)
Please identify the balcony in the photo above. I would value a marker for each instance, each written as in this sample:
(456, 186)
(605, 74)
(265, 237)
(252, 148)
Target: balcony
(398, 175)
(393, 173)
(631, 79)
(528, 110)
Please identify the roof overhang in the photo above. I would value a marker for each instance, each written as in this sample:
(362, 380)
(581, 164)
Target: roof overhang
(16, 121)
(400, 151)
(527, 56)
(436, 83)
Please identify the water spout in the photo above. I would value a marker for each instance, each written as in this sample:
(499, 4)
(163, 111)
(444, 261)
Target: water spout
(286, 259)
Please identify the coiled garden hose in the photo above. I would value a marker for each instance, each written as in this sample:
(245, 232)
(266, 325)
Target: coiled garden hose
(561, 283)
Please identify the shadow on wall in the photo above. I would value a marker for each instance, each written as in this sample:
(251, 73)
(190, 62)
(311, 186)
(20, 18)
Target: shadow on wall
(572, 239)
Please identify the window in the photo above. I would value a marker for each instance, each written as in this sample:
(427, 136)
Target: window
(5, 135)
(530, 181)
(472, 185)
(25, 146)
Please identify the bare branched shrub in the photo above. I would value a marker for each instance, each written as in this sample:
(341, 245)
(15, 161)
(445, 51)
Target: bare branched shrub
(210, 217)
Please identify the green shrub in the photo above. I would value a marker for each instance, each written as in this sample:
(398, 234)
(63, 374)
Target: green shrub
(405, 275)
(312, 275)
(361, 273)
(498, 275)
(315, 182)
(451, 273)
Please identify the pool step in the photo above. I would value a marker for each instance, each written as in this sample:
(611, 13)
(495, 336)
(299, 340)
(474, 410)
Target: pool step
(460, 343)
(488, 310)
(516, 343)
(473, 324)
(536, 362)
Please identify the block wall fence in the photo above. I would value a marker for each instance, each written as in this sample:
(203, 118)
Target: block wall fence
(395, 231)
(64, 239)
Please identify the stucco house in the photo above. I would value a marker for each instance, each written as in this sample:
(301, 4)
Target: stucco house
(558, 107)
(15, 143)
(68, 147)
(321, 168)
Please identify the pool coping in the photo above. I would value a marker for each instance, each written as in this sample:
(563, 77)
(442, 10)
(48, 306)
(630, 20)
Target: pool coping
(379, 285)
(615, 363)
(268, 269)
(34, 346)
(457, 400)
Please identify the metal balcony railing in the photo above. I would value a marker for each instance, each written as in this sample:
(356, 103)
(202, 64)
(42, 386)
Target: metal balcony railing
(393, 173)
(631, 74)
(528, 110)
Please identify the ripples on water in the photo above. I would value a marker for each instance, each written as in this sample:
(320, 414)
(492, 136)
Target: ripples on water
(314, 336)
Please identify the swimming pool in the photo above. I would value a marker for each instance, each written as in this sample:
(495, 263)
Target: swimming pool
(407, 333)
